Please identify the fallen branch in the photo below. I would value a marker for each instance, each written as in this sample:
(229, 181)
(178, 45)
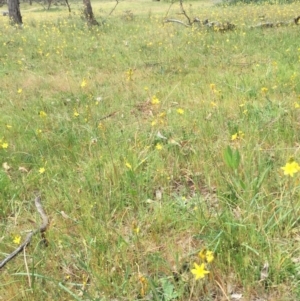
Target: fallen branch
(109, 115)
(295, 21)
(215, 25)
(219, 26)
(177, 21)
(42, 229)
(225, 26)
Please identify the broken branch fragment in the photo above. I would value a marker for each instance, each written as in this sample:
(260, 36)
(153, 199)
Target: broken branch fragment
(42, 229)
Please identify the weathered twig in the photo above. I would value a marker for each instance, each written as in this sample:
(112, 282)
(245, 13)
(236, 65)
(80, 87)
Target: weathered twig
(26, 266)
(114, 7)
(117, 2)
(190, 23)
(42, 229)
(172, 2)
(215, 25)
(185, 14)
(109, 115)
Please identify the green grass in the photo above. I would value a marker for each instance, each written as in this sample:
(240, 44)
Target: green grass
(112, 237)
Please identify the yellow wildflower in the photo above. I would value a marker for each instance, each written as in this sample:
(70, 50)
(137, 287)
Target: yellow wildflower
(206, 255)
(155, 100)
(129, 74)
(199, 271)
(237, 135)
(241, 134)
(202, 253)
(158, 146)
(101, 126)
(180, 111)
(234, 136)
(43, 114)
(291, 168)
(264, 90)
(83, 83)
(153, 122)
(128, 165)
(212, 86)
(4, 145)
(20, 90)
(17, 239)
(144, 285)
(209, 256)
(42, 170)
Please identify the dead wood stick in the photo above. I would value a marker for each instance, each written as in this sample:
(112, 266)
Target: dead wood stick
(177, 21)
(183, 11)
(172, 2)
(114, 7)
(42, 228)
(109, 115)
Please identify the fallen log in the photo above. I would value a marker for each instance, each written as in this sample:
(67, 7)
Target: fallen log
(215, 25)
(295, 21)
(227, 26)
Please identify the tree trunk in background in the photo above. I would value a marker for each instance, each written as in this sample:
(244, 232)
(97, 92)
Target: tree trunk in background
(88, 12)
(49, 4)
(14, 11)
(69, 8)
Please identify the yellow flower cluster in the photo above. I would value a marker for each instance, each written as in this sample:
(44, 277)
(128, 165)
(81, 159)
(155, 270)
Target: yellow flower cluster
(155, 100)
(238, 135)
(199, 271)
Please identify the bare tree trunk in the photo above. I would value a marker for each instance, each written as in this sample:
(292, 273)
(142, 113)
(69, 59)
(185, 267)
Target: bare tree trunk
(88, 12)
(14, 11)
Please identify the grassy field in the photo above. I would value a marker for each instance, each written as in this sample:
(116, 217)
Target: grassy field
(155, 147)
